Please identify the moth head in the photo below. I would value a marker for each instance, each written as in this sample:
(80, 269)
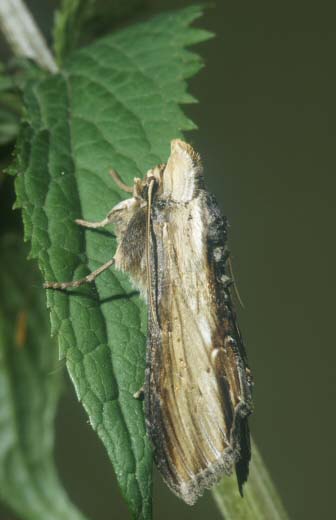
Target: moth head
(141, 186)
(183, 174)
(156, 174)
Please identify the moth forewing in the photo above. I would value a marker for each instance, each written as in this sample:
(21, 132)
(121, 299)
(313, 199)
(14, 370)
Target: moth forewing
(172, 243)
(197, 394)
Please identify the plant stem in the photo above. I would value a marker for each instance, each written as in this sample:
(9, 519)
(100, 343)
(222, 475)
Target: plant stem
(23, 35)
(261, 500)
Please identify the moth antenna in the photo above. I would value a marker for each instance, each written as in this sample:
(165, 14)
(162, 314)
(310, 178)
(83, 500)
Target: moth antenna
(235, 284)
(115, 176)
(149, 273)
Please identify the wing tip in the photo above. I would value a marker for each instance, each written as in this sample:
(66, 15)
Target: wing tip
(237, 458)
(189, 491)
(242, 465)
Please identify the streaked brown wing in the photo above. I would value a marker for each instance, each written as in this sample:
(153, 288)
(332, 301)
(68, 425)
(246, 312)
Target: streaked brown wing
(197, 390)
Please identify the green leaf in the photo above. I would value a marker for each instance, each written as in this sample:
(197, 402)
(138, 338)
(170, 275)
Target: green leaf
(261, 500)
(116, 104)
(13, 79)
(9, 126)
(77, 21)
(107, 14)
(9, 108)
(29, 391)
(69, 21)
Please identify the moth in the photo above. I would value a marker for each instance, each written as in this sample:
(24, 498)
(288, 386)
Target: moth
(172, 241)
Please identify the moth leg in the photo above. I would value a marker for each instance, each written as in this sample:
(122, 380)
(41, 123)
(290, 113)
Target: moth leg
(102, 223)
(140, 394)
(87, 279)
(93, 225)
(115, 176)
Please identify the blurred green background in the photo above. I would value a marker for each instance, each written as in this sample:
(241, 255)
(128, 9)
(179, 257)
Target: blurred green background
(266, 118)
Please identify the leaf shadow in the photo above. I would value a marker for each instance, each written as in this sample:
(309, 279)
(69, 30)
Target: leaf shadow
(103, 232)
(95, 297)
(126, 296)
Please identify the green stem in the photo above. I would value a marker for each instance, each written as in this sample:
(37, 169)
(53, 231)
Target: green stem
(261, 500)
(23, 35)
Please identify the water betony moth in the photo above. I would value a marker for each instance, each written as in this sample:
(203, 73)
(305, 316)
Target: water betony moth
(172, 241)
